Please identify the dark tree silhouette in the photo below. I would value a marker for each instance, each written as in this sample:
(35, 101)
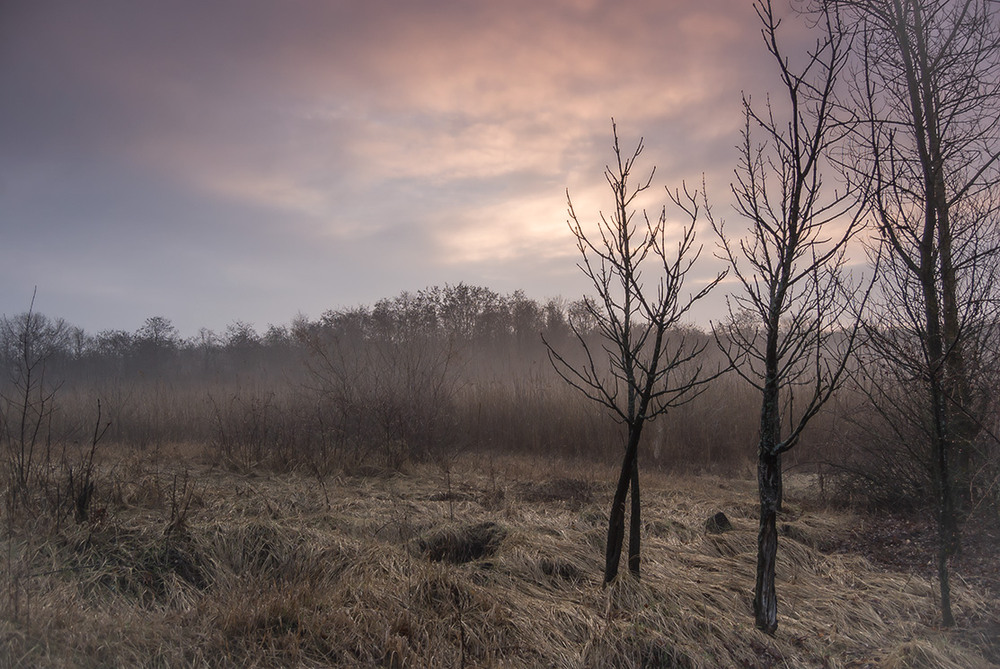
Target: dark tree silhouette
(642, 366)
(927, 85)
(785, 332)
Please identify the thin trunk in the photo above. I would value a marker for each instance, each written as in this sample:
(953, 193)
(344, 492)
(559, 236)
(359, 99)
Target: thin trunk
(948, 538)
(954, 380)
(616, 522)
(634, 536)
(947, 522)
(952, 365)
(780, 486)
(955, 390)
(947, 533)
(918, 73)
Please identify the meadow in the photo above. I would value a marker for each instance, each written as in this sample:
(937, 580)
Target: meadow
(338, 494)
(495, 562)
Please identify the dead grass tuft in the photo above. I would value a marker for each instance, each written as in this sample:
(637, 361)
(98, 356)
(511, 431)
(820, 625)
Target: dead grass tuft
(463, 543)
(572, 492)
(931, 654)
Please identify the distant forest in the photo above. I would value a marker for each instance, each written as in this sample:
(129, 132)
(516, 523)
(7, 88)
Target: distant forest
(425, 374)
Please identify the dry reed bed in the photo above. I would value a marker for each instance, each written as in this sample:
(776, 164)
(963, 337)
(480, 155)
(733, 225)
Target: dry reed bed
(497, 564)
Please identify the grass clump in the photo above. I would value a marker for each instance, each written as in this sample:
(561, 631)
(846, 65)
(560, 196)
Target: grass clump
(463, 543)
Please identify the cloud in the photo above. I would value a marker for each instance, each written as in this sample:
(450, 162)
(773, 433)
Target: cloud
(529, 227)
(275, 140)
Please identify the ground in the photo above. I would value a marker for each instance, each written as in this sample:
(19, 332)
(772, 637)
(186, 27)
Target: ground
(907, 543)
(479, 561)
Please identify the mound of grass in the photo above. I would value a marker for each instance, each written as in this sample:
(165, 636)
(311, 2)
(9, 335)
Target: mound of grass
(463, 543)
(575, 493)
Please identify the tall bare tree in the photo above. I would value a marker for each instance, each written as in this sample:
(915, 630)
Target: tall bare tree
(789, 264)
(641, 366)
(927, 81)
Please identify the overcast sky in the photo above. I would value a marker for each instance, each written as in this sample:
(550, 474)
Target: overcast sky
(209, 161)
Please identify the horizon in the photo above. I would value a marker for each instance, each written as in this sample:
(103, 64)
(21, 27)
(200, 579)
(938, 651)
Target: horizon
(261, 328)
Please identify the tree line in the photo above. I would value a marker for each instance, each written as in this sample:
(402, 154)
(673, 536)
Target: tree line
(462, 315)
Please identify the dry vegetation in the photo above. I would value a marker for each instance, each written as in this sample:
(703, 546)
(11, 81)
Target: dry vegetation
(296, 500)
(493, 562)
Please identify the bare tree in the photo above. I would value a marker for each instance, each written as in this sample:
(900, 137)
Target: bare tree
(29, 342)
(155, 343)
(786, 332)
(641, 367)
(389, 375)
(157, 332)
(927, 81)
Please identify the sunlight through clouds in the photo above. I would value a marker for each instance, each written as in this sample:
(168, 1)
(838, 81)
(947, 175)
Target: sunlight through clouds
(532, 227)
(437, 135)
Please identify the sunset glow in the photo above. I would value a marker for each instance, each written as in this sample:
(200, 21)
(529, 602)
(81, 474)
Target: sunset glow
(254, 160)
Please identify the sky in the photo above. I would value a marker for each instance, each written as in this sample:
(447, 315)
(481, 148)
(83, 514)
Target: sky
(213, 161)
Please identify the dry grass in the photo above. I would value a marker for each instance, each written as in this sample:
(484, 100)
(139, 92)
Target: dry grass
(497, 565)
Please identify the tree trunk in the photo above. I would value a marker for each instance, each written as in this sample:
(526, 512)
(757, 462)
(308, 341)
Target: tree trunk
(765, 602)
(944, 552)
(780, 486)
(616, 522)
(769, 484)
(947, 521)
(948, 535)
(634, 536)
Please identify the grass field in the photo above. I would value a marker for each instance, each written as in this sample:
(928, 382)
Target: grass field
(494, 562)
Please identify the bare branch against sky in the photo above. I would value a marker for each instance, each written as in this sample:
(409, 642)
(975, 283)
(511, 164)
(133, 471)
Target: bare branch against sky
(250, 160)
